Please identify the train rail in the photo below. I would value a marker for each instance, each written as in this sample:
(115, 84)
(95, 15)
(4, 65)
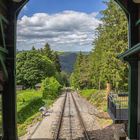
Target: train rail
(70, 104)
(56, 137)
(87, 137)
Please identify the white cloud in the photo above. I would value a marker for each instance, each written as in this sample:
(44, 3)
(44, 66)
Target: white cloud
(67, 30)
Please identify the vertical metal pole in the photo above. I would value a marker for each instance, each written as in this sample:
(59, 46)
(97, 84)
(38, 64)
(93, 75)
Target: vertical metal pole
(138, 100)
(133, 100)
(132, 11)
(9, 94)
(133, 73)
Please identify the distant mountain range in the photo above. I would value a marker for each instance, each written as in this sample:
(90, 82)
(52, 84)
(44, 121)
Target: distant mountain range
(68, 59)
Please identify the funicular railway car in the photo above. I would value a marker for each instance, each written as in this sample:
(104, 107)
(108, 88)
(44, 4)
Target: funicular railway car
(9, 10)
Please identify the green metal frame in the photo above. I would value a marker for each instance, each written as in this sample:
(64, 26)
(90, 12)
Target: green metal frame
(132, 11)
(138, 22)
(3, 50)
(9, 96)
(122, 4)
(130, 52)
(7, 59)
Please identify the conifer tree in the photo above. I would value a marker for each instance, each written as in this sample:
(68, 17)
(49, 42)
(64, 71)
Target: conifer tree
(102, 65)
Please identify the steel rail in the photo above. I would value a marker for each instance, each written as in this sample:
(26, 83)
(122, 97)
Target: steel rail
(70, 119)
(61, 119)
(87, 137)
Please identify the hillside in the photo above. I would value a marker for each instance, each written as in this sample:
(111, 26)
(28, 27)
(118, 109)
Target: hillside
(67, 60)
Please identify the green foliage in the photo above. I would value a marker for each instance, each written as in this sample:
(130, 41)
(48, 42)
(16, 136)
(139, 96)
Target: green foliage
(62, 78)
(111, 41)
(98, 98)
(52, 55)
(56, 61)
(28, 101)
(26, 96)
(73, 81)
(87, 93)
(50, 88)
(28, 104)
(30, 109)
(31, 68)
(80, 78)
(22, 128)
(47, 51)
(65, 79)
(102, 65)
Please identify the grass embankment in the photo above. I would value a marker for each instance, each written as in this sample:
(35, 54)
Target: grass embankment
(28, 104)
(98, 99)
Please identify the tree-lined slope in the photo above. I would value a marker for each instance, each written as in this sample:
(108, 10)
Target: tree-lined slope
(102, 65)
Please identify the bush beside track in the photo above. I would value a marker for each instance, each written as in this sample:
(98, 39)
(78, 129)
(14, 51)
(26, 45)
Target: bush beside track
(28, 104)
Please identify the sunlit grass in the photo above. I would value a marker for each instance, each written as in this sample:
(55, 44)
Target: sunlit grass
(96, 97)
(28, 104)
(87, 93)
(24, 97)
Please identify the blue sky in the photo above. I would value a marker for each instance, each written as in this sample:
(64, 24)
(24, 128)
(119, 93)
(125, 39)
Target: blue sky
(55, 6)
(67, 25)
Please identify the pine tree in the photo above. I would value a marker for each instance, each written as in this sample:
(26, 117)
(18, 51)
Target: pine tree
(102, 65)
(52, 55)
(55, 59)
(47, 51)
(111, 40)
(33, 48)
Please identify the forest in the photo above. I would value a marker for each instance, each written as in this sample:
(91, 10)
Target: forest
(35, 65)
(102, 66)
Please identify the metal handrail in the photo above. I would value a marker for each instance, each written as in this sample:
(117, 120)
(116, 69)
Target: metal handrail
(118, 105)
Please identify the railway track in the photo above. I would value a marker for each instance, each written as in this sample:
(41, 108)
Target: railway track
(70, 123)
(86, 136)
(56, 136)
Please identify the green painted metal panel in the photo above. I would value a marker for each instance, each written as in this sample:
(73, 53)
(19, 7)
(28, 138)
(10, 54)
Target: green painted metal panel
(3, 19)
(123, 5)
(9, 96)
(3, 50)
(138, 22)
(9, 100)
(2, 32)
(3, 5)
(3, 53)
(135, 49)
(132, 12)
(133, 100)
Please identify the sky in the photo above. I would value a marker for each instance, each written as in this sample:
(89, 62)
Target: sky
(67, 25)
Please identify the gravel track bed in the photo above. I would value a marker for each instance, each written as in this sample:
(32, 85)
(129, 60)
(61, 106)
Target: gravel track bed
(89, 114)
(71, 127)
(74, 129)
